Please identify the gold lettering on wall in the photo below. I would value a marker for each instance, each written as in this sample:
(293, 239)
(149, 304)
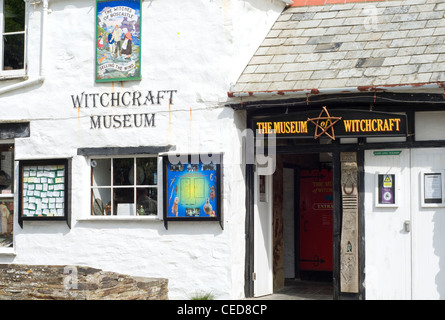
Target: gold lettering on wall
(372, 125)
(282, 127)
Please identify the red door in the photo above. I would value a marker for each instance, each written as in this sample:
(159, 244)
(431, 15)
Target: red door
(316, 220)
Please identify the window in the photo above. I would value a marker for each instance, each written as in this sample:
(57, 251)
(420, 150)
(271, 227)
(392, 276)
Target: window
(13, 36)
(124, 186)
(6, 194)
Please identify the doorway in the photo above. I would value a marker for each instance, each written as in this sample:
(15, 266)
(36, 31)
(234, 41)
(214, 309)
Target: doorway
(306, 235)
(294, 216)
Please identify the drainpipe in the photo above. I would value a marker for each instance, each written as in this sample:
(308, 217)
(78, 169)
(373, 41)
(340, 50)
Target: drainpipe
(41, 77)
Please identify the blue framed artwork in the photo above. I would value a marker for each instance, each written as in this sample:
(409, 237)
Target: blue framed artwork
(192, 189)
(118, 40)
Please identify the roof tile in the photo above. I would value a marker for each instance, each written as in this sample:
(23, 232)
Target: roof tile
(350, 44)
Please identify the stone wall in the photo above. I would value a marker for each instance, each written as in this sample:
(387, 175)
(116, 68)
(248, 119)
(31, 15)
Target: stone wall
(43, 282)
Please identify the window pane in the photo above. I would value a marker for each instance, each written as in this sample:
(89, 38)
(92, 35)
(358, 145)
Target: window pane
(14, 14)
(6, 222)
(101, 172)
(101, 201)
(13, 51)
(124, 202)
(6, 168)
(147, 171)
(123, 170)
(147, 202)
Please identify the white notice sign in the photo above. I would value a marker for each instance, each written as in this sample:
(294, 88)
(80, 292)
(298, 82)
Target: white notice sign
(433, 187)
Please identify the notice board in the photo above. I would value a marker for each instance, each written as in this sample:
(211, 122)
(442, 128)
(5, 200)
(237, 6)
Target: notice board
(43, 190)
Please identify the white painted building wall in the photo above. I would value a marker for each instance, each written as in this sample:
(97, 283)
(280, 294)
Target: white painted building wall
(196, 47)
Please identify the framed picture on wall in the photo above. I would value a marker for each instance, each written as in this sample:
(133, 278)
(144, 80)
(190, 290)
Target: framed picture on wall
(432, 188)
(118, 40)
(43, 190)
(386, 194)
(192, 188)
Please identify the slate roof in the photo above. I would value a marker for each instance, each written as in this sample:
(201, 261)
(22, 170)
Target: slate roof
(350, 45)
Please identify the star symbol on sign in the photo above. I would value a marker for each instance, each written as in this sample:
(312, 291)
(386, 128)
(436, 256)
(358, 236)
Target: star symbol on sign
(324, 123)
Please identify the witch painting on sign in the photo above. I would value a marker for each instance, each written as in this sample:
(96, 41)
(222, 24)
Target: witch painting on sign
(118, 33)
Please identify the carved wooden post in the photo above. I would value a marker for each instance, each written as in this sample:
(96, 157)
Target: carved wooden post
(349, 236)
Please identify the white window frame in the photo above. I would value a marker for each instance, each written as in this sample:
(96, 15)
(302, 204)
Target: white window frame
(18, 72)
(12, 197)
(158, 186)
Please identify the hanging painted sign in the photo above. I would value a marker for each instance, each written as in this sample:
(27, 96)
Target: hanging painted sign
(192, 189)
(334, 124)
(118, 40)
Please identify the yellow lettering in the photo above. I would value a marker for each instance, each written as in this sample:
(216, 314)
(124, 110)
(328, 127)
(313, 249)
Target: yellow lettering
(371, 125)
(287, 127)
(284, 127)
(397, 124)
(368, 125)
(259, 127)
(380, 124)
(276, 127)
(357, 125)
(391, 124)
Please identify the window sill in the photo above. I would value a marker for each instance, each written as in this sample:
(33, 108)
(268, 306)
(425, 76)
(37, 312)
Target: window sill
(13, 77)
(7, 252)
(121, 218)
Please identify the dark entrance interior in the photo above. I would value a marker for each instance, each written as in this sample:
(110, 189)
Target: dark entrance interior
(303, 223)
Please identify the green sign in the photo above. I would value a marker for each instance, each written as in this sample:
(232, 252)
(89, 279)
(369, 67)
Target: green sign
(387, 153)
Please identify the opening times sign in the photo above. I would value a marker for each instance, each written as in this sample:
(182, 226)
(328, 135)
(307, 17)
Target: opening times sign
(335, 124)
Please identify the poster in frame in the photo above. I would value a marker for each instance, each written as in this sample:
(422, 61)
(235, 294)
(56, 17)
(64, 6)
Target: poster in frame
(44, 190)
(192, 189)
(432, 188)
(387, 189)
(118, 40)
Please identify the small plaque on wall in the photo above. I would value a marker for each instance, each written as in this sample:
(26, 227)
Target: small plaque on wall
(432, 188)
(43, 190)
(386, 191)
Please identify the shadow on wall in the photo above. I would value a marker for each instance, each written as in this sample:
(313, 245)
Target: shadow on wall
(439, 251)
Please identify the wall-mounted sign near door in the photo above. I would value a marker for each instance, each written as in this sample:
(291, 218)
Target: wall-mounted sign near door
(386, 190)
(192, 188)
